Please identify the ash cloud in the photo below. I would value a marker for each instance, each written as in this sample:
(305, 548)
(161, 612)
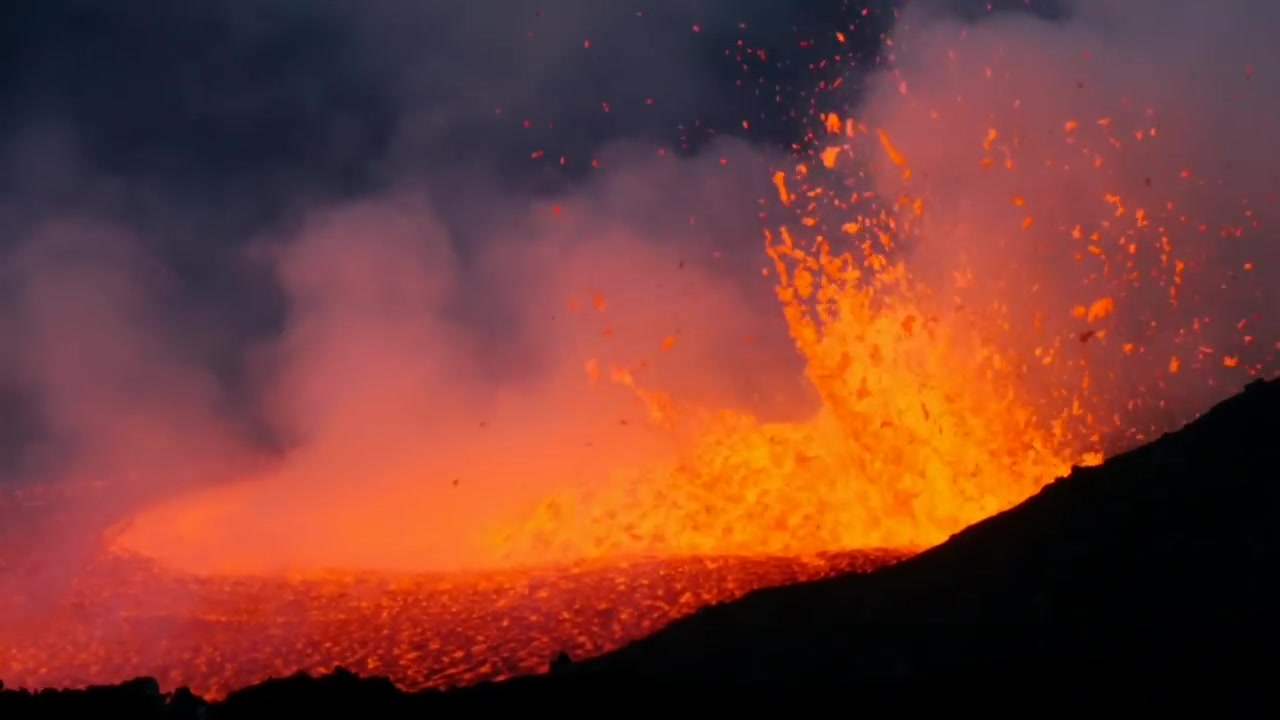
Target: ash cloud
(1199, 82)
(302, 251)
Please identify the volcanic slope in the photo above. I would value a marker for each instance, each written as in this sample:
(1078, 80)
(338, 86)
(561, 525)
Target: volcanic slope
(1152, 570)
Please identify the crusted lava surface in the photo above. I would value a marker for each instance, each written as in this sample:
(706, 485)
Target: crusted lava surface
(120, 618)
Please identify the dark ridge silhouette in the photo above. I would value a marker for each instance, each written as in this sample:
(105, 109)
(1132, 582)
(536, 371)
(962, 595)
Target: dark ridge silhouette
(1145, 580)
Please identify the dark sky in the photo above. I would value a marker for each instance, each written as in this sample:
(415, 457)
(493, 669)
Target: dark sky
(216, 115)
(233, 108)
(213, 96)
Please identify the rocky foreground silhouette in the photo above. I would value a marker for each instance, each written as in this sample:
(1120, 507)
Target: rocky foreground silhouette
(1148, 579)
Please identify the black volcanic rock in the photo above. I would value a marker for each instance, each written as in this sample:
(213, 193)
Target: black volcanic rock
(1147, 578)
(339, 694)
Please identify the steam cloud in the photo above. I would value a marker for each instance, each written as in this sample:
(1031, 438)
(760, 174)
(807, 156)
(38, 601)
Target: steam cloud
(355, 286)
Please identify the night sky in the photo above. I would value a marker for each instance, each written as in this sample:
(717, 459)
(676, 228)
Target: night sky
(215, 101)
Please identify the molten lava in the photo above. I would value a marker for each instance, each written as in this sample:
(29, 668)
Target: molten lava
(128, 618)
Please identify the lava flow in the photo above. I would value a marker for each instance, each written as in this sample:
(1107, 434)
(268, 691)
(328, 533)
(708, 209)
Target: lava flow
(127, 618)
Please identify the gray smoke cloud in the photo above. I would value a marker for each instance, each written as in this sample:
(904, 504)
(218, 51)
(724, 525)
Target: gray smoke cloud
(311, 247)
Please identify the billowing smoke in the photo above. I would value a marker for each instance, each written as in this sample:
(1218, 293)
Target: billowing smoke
(341, 269)
(407, 429)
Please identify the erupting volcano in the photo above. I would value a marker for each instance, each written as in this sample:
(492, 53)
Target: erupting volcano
(983, 293)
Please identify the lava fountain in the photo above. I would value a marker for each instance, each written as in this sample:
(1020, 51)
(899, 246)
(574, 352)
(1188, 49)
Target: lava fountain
(923, 428)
